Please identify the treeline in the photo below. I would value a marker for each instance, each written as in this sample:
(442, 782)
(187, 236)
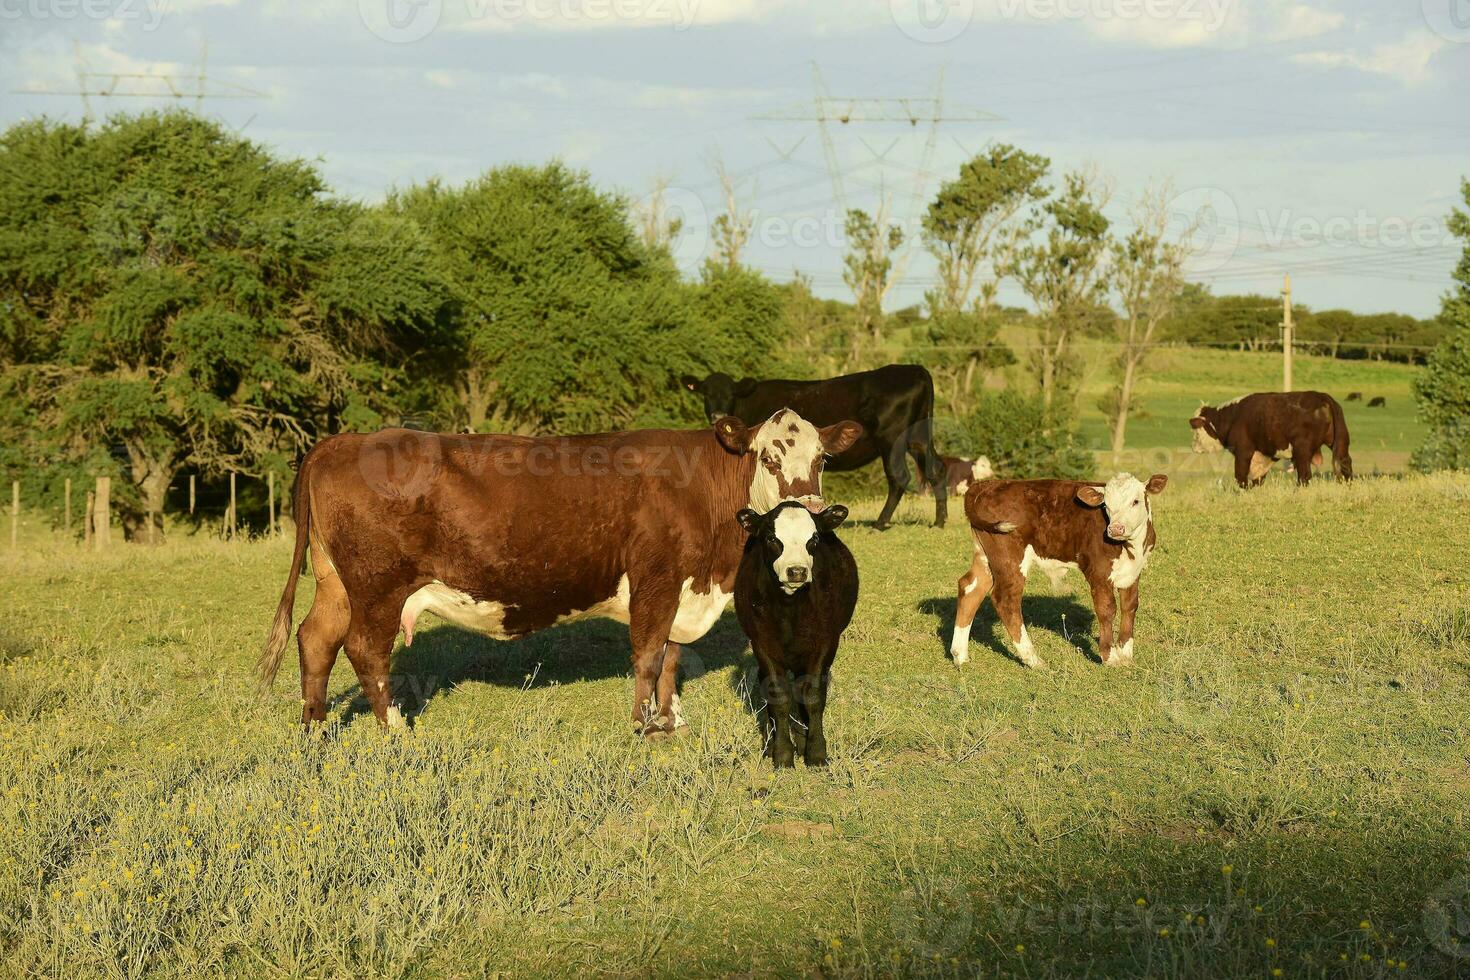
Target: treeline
(1250, 322)
(175, 299)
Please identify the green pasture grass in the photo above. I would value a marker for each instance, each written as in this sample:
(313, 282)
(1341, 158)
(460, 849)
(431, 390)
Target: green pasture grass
(1279, 783)
(1176, 380)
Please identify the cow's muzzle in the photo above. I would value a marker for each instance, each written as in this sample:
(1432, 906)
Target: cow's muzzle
(1117, 532)
(813, 502)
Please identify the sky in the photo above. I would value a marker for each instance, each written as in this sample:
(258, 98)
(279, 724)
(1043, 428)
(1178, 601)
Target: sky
(1323, 139)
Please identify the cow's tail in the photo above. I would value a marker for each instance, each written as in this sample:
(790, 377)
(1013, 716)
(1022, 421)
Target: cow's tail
(280, 634)
(1342, 462)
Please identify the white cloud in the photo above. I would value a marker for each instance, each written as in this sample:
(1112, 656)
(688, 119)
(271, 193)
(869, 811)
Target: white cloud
(1407, 60)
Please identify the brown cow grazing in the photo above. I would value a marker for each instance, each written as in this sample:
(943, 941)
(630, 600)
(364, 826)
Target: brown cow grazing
(1104, 530)
(1378, 401)
(795, 593)
(1261, 428)
(1355, 396)
(507, 535)
(959, 473)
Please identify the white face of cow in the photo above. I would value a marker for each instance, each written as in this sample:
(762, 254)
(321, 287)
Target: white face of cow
(790, 453)
(1125, 503)
(1203, 441)
(796, 532)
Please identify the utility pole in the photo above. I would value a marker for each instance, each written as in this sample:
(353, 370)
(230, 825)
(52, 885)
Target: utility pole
(1286, 335)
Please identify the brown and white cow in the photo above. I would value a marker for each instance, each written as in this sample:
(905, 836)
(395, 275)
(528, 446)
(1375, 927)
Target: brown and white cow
(506, 535)
(1106, 531)
(959, 473)
(1261, 428)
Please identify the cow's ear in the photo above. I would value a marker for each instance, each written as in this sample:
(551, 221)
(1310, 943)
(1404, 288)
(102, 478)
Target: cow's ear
(745, 386)
(1091, 496)
(690, 381)
(1156, 483)
(1197, 422)
(732, 434)
(831, 518)
(748, 519)
(839, 437)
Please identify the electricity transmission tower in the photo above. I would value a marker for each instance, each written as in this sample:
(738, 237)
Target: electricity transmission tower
(827, 110)
(153, 84)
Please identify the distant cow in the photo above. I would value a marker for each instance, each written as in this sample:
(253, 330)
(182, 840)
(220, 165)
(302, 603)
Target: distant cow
(894, 405)
(959, 473)
(1263, 427)
(507, 535)
(1355, 396)
(1378, 402)
(1106, 531)
(794, 594)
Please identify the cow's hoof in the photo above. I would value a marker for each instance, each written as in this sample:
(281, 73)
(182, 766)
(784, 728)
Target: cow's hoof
(960, 657)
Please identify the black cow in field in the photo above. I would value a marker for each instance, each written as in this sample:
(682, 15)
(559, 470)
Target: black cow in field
(1263, 427)
(894, 405)
(1378, 402)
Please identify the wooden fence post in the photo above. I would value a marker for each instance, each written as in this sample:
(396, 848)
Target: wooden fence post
(233, 516)
(103, 515)
(66, 524)
(191, 494)
(14, 513)
(87, 520)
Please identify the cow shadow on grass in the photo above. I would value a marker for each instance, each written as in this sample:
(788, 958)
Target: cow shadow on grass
(1063, 615)
(444, 657)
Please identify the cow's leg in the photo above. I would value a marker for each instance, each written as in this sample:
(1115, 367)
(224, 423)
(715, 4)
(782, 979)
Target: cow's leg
(974, 587)
(812, 694)
(1243, 474)
(1105, 606)
(1005, 594)
(777, 690)
(370, 649)
(1128, 600)
(668, 685)
(934, 470)
(321, 635)
(896, 469)
(1301, 461)
(651, 610)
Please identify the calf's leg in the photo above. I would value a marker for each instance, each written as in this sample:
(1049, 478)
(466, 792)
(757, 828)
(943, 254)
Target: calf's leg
(974, 587)
(651, 609)
(1005, 594)
(1129, 602)
(776, 690)
(1301, 461)
(811, 693)
(668, 685)
(1105, 606)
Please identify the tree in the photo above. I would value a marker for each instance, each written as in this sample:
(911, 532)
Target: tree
(972, 221)
(1065, 276)
(731, 228)
(1443, 387)
(1148, 276)
(563, 319)
(868, 267)
(185, 299)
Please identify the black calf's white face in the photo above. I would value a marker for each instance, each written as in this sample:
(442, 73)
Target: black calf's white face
(789, 536)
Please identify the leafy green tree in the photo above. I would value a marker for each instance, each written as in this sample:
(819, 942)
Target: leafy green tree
(179, 296)
(1443, 388)
(972, 222)
(1148, 276)
(867, 268)
(1065, 276)
(1023, 438)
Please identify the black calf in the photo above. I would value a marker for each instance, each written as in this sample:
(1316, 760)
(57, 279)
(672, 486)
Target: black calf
(794, 595)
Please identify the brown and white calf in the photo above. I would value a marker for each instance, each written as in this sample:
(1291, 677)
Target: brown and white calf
(959, 473)
(507, 535)
(1105, 531)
